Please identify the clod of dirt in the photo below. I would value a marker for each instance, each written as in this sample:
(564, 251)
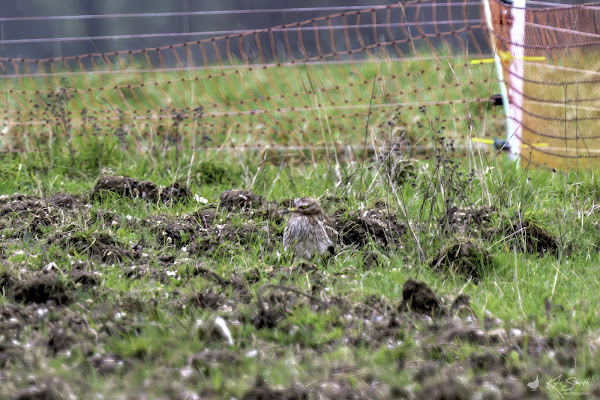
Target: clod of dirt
(461, 306)
(427, 371)
(419, 298)
(176, 233)
(205, 218)
(462, 300)
(463, 332)
(466, 221)
(101, 246)
(38, 393)
(268, 315)
(262, 391)
(376, 223)
(532, 238)
(464, 258)
(63, 200)
(37, 288)
(126, 187)
(273, 307)
(487, 361)
(174, 193)
(60, 340)
(21, 205)
(207, 300)
(239, 199)
(85, 278)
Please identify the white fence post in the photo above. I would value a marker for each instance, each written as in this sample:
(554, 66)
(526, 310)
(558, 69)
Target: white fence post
(516, 74)
(499, 71)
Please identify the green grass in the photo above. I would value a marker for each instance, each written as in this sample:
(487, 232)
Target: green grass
(296, 105)
(146, 322)
(153, 327)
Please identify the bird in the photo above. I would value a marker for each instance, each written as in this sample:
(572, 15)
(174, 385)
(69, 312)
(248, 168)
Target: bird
(534, 385)
(309, 232)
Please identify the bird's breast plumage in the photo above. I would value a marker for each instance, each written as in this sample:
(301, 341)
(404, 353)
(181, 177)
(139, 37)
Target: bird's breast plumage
(309, 235)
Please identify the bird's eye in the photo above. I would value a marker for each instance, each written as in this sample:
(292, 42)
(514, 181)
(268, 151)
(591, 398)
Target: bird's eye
(304, 206)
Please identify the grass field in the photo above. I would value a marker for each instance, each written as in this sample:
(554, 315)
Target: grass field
(239, 106)
(121, 288)
(131, 268)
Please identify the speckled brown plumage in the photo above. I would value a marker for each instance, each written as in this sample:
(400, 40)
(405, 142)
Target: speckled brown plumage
(309, 231)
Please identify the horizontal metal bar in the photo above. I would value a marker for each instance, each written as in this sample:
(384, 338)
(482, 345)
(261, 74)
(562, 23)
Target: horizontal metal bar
(226, 12)
(238, 31)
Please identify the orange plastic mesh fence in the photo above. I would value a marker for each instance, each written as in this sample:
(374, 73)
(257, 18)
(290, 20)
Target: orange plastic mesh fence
(561, 83)
(334, 81)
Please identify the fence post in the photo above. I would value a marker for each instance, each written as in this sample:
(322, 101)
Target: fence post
(516, 74)
(499, 70)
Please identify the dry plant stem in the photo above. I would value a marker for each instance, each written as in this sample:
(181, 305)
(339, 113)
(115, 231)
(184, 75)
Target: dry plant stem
(485, 190)
(400, 200)
(278, 176)
(362, 166)
(322, 129)
(516, 279)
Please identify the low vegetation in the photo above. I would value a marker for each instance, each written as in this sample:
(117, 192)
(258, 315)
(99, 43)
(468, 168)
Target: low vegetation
(165, 277)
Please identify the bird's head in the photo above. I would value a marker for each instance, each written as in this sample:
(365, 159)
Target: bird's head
(306, 206)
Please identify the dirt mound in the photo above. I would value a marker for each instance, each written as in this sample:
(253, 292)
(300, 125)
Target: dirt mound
(355, 229)
(417, 297)
(457, 330)
(239, 199)
(126, 187)
(42, 392)
(85, 278)
(30, 214)
(271, 310)
(18, 198)
(36, 288)
(207, 299)
(175, 193)
(467, 221)
(465, 258)
(100, 246)
(205, 217)
(24, 206)
(531, 237)
(275, 302)
(176, 233)
(26, 214)
(63, 200)
(222, 238)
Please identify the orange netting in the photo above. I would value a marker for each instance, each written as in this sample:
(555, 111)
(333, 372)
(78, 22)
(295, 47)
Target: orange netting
(331, 81)
(560, 80)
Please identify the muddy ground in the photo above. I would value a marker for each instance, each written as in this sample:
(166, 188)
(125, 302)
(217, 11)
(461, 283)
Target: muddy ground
(63, 317)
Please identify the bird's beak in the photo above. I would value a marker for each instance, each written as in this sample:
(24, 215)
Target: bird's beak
(291, 209)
